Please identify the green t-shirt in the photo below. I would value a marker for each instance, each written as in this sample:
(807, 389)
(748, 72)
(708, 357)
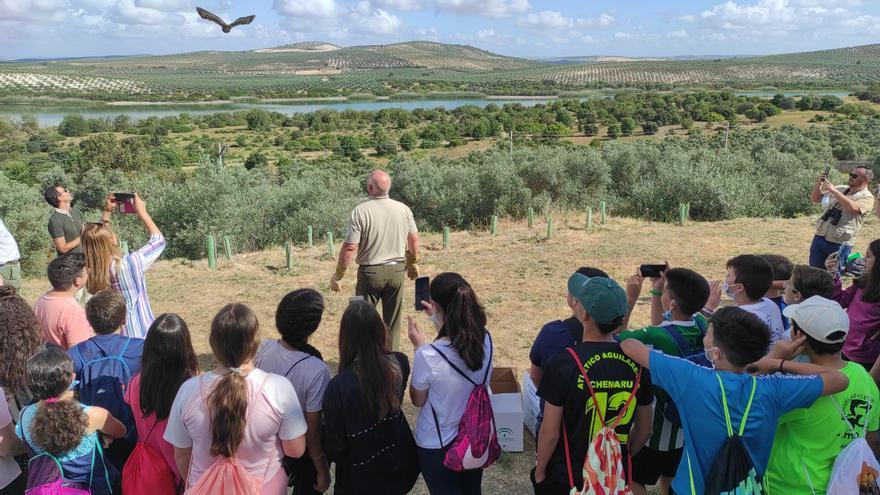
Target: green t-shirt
(666, 435)
(67, 226)
(808, 440)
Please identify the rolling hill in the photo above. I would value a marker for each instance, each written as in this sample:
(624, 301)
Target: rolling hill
(316, 68)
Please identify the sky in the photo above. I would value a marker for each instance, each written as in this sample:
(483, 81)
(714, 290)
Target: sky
(522, 28)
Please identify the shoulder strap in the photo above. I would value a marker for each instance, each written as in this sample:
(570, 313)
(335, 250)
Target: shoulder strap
(678, 338)
(700, 322)
(454, 367)
(488, 363)
(596, 408)
(742, 424)
(296, 363)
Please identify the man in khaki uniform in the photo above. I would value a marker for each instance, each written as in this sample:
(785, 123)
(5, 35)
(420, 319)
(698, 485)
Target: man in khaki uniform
(843, 215)
(383, 234)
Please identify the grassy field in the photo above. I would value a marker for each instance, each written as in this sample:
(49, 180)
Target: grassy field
(519, 275)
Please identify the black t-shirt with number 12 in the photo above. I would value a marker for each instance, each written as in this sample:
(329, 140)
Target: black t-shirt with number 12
(612, 375)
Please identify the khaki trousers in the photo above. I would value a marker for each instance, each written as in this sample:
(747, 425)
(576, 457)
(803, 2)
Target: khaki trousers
(384, 283)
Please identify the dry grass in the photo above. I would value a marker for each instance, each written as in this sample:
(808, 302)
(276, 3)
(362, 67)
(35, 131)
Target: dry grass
(519, 275)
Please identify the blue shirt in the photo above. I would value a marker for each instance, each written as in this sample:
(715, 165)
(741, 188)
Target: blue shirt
(696, 392)
(554, 337)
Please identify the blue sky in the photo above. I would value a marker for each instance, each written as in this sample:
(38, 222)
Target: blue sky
(528, 28)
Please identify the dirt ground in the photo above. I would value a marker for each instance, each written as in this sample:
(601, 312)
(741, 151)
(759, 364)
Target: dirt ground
(519, 275)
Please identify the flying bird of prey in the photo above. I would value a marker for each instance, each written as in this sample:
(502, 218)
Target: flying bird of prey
(204, 14)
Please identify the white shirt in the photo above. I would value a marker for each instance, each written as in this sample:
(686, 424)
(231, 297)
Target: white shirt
(448, 392)
(8, 246)
(768, 312)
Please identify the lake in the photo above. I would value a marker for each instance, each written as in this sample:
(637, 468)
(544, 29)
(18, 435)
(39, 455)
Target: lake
(50, 114)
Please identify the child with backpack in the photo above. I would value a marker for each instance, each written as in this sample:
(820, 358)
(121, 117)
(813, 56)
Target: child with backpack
(104, 365)
(168, 361)
(366, 433)
(597, 401)
(728, 416)
(808, 440)
(684, 292)
(297, 318)
(232, 426)
(61, 434)
(455, 431)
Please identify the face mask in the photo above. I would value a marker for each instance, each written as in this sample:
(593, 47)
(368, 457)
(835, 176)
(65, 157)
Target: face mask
(709, 356)
(667, 315)
(436, 320)
(725, 288)
(73, 385)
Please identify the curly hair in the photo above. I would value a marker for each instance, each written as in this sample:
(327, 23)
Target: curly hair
(19, 339)
(59, 427)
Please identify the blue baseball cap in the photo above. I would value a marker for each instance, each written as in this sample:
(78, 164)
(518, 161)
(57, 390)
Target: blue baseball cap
(602, 298)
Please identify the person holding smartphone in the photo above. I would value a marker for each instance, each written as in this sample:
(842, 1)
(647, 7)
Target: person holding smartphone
(842, 216)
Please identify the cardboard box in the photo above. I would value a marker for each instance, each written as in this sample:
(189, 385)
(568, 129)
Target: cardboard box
(508, 409)
(531, 404)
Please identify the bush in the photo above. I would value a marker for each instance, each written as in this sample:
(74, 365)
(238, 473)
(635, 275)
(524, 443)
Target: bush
(73, 126)
(386, 148)
(256, 160)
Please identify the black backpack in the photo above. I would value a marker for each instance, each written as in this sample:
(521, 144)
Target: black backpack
(732, 470)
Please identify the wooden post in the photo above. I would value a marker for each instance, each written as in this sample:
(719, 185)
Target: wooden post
(589, 219)
(123, 246)
(331, 248)
(687, 210)
(288, 255)
(602, 207)
(493, 229)
(531, 216)
(445, 237)
(227, 246)
(311, 238)
(549, 227)
(212, 253)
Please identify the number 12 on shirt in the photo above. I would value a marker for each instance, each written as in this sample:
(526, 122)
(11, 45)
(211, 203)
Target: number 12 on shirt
(616, 401)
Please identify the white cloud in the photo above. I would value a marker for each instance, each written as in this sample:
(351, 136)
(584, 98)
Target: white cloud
(429, 34)
(487, 8)
(587, 40)
(306, 8)
(485, 34)
(165, 5)
(33, 10)
(402, 4)
(373, 20)
(620, 35)
(129, 13)
(547, 19)
(677, 35)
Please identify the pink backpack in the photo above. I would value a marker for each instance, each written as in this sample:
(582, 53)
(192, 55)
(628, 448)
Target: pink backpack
(59, 486)
(226, 475)
(146, 472)
(476, 445)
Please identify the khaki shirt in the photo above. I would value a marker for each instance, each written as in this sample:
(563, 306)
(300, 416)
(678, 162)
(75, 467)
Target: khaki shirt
(380, 226)
(850, 223)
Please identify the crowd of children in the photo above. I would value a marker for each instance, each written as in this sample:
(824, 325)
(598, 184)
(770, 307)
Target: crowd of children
(759, 394)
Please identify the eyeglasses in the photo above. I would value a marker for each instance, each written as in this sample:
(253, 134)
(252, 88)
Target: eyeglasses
(855, 176)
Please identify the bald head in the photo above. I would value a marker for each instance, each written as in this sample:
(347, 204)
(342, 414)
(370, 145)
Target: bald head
(379, 183)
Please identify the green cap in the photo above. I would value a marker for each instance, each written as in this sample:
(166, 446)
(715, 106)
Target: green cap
(601, 297)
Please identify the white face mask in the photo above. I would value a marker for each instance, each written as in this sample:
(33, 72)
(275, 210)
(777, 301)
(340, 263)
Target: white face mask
(725, 289)
(709, 355)
(435, 319)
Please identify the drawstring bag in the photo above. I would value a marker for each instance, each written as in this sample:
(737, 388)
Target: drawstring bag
(733, 470)
(146, 472)
(856, 470)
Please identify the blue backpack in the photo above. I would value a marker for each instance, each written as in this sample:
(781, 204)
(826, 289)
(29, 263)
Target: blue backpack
(102, 383)
(692, 354)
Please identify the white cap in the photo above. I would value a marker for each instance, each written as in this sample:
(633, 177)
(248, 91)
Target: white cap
(819, 318)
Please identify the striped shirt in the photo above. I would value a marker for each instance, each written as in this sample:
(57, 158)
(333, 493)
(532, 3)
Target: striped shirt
(128, 278)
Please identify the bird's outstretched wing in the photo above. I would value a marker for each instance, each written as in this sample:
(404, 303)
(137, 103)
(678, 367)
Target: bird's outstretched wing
(242, 20)
(210, 16)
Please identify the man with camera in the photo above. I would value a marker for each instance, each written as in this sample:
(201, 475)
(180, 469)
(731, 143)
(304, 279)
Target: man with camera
(843, 215)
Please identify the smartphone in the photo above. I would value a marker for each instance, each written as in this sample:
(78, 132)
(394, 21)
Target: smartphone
(422, 292)
(124, 202)
(355, 299)
(652, 271)
(841, 259)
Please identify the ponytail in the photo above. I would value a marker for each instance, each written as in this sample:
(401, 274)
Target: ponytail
(58, 426)
(234, 341)
(465, 317)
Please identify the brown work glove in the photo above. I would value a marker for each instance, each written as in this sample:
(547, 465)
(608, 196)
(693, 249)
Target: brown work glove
(337, 276)
(412, 266)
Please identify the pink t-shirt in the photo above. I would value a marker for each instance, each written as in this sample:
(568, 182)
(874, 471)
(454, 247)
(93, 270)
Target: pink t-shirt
(62, 320)
(273, 414)
(9, 469)
(149, 431)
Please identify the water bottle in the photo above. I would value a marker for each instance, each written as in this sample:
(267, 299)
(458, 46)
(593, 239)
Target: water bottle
(825, 200)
